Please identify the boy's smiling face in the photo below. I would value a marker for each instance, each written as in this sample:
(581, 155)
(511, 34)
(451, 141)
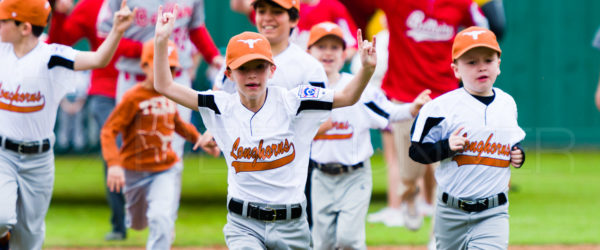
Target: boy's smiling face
(273, 22)
(478, 69)
(329, 50)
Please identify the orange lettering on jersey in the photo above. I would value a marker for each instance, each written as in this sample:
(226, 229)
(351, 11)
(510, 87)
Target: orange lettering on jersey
(487, 147)
(261, 153)
(339, 126)
(333, 137)
(21, 102)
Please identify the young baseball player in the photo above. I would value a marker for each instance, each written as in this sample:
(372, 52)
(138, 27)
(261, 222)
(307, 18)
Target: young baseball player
(276, 20)
(474, 132)
(341, 180)
(266, 132)
(144, 167)
(34, 77)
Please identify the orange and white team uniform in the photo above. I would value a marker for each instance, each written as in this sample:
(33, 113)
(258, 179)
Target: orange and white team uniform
(31, 88)
(267, 155)
(342, 181)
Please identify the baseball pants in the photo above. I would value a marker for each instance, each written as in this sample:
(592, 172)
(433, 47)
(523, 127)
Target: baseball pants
(26, 183)
(339, 204)
(101, 107)
(152, 199)
(251, 234)
(456, 229)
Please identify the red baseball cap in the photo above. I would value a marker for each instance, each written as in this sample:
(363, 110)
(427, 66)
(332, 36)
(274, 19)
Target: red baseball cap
(324, 29)
(473, 37)
(148, 54)
(246, 47)
(32, 11)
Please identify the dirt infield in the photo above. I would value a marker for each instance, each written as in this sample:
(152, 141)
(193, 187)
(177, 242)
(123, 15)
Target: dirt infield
(545, 247)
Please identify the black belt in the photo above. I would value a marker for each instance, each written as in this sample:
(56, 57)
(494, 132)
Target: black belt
(335, 168)
(474, 205)
(264, 213)
(20, 147)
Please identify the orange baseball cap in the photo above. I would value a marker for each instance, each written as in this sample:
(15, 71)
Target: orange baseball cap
(148, 54)
(324, 29)
(286, 4)
(474, 37)
(246, 47)
(32, 11)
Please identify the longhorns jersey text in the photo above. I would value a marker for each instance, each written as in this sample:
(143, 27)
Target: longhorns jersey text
(482, 168)
(267, 151)
(349, 141)
(31, 88)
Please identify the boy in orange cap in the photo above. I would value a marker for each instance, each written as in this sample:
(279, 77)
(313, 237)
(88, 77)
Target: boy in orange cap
(341, 180)
(34, 77)
(474, 132)
(144, 166)
(266, 133)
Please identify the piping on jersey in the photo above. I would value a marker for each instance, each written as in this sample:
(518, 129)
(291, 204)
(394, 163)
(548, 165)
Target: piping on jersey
(480, 147)
(261, 153)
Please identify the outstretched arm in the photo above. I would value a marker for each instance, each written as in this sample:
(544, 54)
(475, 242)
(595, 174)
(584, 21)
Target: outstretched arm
(163, 80)
(101, 57)
(351, 93)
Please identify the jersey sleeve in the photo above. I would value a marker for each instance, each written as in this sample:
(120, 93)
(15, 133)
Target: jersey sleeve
(310, 106)
(382, 111)
(428, 127)
(60, 64)
(519, 134)
(105, 17)
(208, 108)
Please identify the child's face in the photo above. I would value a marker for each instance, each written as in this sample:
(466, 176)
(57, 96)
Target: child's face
(273, 22)
(251, 78)
(478, 68)
(330, 52)
(8, 30)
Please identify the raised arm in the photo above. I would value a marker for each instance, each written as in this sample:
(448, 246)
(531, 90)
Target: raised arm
(351, 93)
(101, 57)
(163, 80)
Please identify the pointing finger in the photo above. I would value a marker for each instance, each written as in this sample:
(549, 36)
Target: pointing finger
(359, 38)
(123, 4)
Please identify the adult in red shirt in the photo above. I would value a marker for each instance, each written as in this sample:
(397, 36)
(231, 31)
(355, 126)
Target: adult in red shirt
(420, 46)
(67, 29)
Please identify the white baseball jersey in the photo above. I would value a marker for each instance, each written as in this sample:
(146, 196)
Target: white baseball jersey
(190, 17)
(267, 151)
(295, 67)
(482, 168)
(31, 88)
(349, 141)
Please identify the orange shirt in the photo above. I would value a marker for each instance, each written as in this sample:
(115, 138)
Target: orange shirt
(146, 120)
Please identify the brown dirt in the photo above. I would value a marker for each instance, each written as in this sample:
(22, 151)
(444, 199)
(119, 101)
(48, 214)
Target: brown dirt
(544, 247)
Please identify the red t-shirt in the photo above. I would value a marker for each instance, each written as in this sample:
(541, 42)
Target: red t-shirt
(420, 47)
(81, 23)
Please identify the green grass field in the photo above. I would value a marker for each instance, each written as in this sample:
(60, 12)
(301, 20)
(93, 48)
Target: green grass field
(555, 202)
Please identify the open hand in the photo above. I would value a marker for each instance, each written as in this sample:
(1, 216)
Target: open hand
(418, 103)
(115, 178)
(165, 23)
(457, 142)
(123, 18)
(367, 52)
